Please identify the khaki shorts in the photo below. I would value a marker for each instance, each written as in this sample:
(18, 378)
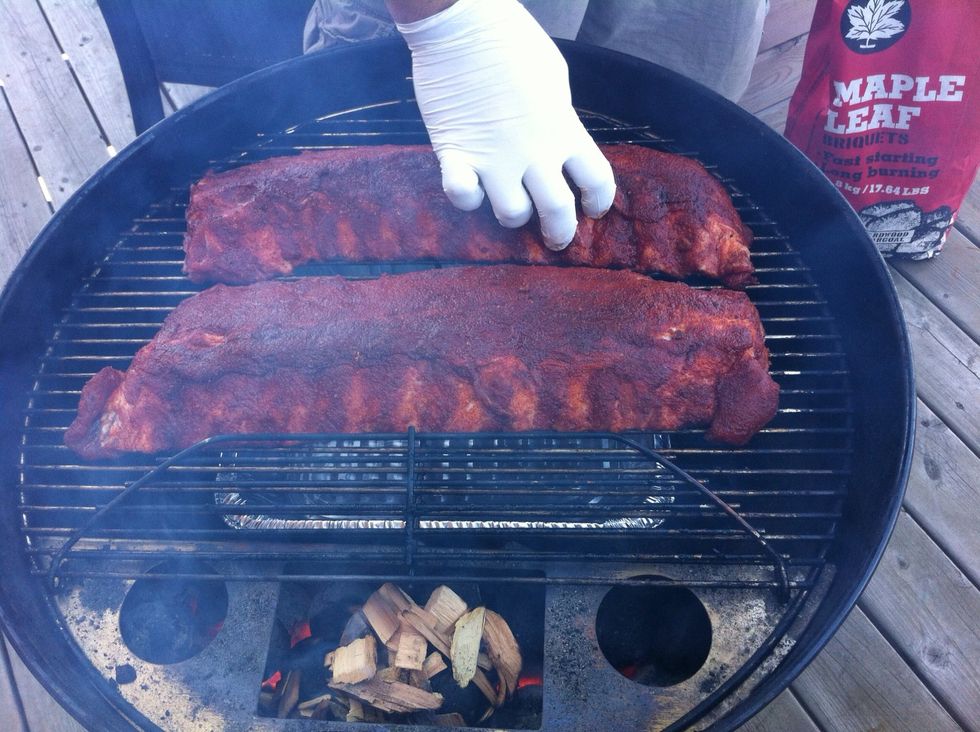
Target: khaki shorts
(714, 43)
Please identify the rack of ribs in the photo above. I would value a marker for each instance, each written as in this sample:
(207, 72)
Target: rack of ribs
(458, 349)
(384, 204)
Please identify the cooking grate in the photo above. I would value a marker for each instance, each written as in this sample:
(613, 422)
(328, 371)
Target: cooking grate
(467, 512)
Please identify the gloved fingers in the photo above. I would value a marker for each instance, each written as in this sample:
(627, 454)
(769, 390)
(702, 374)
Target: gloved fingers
(460, 182)
(555, 204)
(511, 204)
(593, 175)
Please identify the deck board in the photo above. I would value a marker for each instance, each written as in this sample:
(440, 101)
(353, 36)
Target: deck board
(82, 33)
(929, 610)
(859, 682)
(968, 217)
(943, 489)
(782, 714)
(183, 94)
(23, 210)
(774, 75)
(947, 364)
(43, 713)
(59, 128)
(787, 19)
(950, 280)
(11, 711)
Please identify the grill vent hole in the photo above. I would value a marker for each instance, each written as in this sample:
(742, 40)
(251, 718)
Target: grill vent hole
(170, 619)
(654, 635)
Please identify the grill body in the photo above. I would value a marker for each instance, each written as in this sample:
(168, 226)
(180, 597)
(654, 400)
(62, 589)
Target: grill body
(824, 482)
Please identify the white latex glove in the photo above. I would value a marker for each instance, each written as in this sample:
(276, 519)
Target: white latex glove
(493, 90)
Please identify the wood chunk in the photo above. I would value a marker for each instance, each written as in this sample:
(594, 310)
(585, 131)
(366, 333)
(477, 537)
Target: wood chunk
(425, 623)
(447, 607)
(392, 696)
(392, 643)
(418, 679)
(449, 720)
(357, 627)
(396, 597)
(329, 658)
(412, 647)
(390, 674)
(433, 664)
(503, 651)
(313, 703)
(466, 645)
(381, 615)
(290, 694)
(356, 662)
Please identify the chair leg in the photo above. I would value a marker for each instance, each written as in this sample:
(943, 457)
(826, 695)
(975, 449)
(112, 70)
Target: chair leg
(138, 70)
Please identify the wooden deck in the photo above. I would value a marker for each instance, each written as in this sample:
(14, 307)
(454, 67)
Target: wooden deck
(908, 657)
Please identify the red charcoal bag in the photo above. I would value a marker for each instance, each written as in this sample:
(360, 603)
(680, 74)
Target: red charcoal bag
(888, 107)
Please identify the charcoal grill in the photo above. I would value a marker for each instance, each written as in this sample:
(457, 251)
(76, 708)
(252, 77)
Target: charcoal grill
(775, 539)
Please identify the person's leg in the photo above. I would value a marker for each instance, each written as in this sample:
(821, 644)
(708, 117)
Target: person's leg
(345, 21)
(713, 42)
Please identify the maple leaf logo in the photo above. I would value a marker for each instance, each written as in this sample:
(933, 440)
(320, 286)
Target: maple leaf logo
(874, 21)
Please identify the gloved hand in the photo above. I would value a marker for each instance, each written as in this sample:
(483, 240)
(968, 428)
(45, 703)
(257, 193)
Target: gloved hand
(493, 90)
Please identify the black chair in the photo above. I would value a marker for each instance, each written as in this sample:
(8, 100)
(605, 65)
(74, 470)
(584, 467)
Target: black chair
(208, 42)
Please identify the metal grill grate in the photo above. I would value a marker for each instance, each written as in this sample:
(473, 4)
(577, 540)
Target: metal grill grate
(467, 512)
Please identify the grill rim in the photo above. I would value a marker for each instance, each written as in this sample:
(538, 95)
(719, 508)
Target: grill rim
(22, 606)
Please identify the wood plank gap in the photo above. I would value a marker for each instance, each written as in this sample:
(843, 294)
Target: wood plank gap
(809, 712)
(167, 100)
(23, 140)
(7, 671)
(71, 70)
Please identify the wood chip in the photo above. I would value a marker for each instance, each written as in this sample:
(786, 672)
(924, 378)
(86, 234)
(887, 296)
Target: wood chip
(484, 685)
(449, 720)
(412, 647)
(356, 711)
(424, 622)
(433, 664)
(465, 645)
(355, 662)
(381, 615)
(447, 607)
(315, 701)
(290, 694)
(503, 651)
(391, 696)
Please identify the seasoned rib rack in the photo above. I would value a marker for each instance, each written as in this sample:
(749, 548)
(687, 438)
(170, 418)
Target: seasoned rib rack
(382, 204)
